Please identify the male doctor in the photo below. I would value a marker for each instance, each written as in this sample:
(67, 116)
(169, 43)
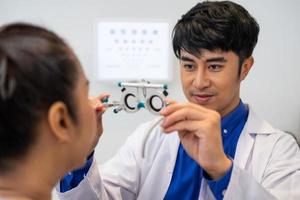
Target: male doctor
(214, 146)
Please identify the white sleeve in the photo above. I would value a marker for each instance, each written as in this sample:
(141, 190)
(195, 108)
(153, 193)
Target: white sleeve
(120, 176)
(90, 188)
(281, 178)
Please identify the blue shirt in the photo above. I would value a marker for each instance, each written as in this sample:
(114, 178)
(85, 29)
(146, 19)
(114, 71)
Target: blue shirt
(72, 179)
(187, 175)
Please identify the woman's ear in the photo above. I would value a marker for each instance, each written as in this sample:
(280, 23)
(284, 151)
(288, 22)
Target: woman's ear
(247, 64)
(60, 122)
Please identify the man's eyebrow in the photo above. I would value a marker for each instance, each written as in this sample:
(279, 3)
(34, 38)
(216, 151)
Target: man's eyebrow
(185, 58)
(216, 59)
(213, 59)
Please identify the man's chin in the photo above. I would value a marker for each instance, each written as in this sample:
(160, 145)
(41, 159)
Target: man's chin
(208, 105)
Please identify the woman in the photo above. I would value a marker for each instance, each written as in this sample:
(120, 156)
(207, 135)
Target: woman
(47, 123)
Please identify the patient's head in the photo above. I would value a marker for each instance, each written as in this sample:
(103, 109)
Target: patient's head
(43, 98)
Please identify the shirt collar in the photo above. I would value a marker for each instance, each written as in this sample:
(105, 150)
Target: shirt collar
(232, 119)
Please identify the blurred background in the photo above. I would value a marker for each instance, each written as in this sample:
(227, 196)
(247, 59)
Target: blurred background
(271, 88)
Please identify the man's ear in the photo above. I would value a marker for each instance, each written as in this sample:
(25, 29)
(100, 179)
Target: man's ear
(60, 122)
(247, 64)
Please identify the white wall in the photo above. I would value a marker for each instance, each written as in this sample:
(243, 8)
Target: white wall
(272, 87)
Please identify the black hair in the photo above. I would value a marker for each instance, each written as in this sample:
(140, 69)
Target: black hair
(37, 68)
(214, 25)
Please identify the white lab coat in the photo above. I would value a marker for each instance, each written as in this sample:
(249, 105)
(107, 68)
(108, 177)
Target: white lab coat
(266, 166)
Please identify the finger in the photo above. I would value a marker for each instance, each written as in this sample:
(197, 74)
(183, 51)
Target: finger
(184, 134)
(97, 105)
(100, 109)
(169, 101)
(99, 114)
(171, 107)
(103, 96)
(184, 113)
(176, 106)
(190, 126)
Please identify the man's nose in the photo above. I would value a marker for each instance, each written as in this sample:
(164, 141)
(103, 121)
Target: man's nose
(201, 80)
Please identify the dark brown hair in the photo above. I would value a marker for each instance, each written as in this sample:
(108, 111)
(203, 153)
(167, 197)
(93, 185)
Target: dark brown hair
(37, 68)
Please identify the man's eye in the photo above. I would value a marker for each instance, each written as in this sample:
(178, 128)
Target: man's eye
(215, 68)
(188, 67)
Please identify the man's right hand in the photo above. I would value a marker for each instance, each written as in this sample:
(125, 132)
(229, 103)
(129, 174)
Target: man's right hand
(99, 108)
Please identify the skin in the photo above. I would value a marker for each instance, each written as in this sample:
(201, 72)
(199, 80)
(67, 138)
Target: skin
(96, 103)
(211, 83)
(60, 140)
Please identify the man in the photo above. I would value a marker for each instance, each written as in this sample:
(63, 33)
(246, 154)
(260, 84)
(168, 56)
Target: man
(212, 147)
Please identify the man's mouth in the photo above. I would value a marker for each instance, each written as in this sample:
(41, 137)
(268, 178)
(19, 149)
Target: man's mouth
(202, 98)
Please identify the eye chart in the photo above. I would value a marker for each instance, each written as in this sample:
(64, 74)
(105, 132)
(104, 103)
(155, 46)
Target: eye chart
(133, 51)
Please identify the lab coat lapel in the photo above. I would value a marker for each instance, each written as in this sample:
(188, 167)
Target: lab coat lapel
(253, 127)
(244, 149)
(159, 176)
(173, 145)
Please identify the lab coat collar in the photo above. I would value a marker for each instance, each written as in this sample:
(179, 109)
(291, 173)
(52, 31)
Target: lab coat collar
(257, 126)
(254, 126)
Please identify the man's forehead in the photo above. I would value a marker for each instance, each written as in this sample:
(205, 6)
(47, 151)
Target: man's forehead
(203, 53)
